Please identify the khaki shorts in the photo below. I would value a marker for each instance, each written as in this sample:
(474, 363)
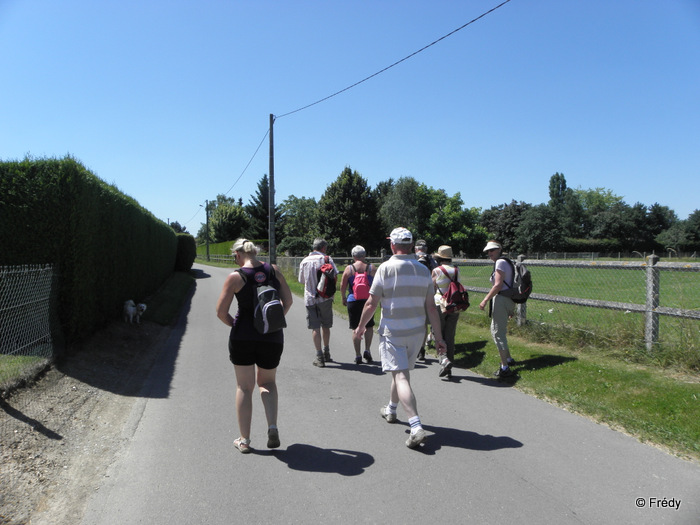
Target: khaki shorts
(320, 314)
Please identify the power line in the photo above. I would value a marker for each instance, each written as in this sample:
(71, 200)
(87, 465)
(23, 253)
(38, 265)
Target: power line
(357, 84)
(396, 63)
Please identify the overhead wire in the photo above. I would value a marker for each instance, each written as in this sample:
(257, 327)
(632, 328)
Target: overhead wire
(397, 62)
(360, 82)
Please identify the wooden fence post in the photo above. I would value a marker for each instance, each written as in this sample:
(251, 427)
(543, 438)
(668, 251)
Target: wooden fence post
(651, 316)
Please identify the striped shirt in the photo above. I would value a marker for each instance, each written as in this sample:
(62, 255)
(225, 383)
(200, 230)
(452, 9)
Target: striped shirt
(402, 285)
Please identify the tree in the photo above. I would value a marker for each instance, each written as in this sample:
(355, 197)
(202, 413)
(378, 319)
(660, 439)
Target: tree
(450, 223)
(227, 222)
(501, 222)
(400, 207)
(347, 214)
(177, 228)
(557, 192)
(258, 208)
(538, 231)
(222, 201)
(299, 225)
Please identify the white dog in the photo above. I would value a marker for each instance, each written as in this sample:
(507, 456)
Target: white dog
(133, 311)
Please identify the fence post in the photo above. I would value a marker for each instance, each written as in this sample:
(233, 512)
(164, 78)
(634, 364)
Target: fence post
(521, 309)
(651, 317)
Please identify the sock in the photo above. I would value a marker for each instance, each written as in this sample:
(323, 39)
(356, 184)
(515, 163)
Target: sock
(392, 407)
(415, 424)
(272, 426)
(504, 367)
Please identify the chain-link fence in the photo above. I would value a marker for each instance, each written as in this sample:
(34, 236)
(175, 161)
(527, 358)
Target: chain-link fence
(646, 311)
(27, 321)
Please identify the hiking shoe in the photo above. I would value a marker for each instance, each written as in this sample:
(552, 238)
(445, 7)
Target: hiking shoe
(416, 438)
(503, 372)
(327, 355)
(273, 438)
(368, 357)
(358, 360)
(319, 361)
(421, 354)
(242, 444)
(446, 368)
(390, 418)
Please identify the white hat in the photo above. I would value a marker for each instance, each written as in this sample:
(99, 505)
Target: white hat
(492, 245)
(400, 236)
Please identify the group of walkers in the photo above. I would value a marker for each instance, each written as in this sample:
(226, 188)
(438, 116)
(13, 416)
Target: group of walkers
(407, 288)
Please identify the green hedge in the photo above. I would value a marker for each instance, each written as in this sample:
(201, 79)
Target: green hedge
(186, 252)
(107, 248)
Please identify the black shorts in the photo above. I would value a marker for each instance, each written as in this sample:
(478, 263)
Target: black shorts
(355, 313)
(265, 354)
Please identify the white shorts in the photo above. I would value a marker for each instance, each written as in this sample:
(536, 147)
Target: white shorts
(399, 353)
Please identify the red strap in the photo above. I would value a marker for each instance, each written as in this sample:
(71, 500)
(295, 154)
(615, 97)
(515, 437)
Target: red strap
(447, 274)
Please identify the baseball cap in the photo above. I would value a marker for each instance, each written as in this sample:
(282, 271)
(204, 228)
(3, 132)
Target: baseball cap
(400, 236)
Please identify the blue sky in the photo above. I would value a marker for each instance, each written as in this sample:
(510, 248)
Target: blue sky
(170, 100)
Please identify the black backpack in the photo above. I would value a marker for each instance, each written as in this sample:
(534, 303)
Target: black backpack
(521, 287)
(268, 312)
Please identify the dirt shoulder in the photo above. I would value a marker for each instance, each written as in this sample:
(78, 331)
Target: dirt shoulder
(60, 434)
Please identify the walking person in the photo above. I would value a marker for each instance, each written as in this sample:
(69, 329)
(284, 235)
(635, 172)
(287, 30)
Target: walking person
(443, 275)
(255, 356)
(501, 308)
(357, 280)
(404, 289)
(424, 257)
(319, 310)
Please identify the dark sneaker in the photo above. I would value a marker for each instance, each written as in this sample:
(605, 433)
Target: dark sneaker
(390, 418)
(358, 360)
(503, 372)
(319, 361)
(416, 438)
(446, 368)
(327, 355)
(273, 438)
(368, 357)
(421, 354)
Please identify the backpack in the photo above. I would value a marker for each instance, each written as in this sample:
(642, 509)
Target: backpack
(456, 298)
(326, 280)
(427, 261)
(360, 284)
(521, 287)
(268, 312)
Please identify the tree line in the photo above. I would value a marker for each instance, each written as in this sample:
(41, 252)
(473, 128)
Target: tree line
(351, 212)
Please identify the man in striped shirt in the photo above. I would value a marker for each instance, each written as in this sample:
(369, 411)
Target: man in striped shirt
(405, 290)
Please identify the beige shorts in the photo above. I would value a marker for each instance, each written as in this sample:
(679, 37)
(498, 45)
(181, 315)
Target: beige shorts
(399, 353)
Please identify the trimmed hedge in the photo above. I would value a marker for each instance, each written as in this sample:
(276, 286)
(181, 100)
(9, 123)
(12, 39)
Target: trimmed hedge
(107, 248)
(186, 252)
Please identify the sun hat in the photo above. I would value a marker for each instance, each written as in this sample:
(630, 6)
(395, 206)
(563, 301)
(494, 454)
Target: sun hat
(444, 252)
(491, 245)
(400, 236)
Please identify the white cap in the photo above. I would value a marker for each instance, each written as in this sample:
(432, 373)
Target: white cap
(492, 246)
(400, 236)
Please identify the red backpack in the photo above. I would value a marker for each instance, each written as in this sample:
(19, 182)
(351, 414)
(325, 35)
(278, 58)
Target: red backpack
(456, 298)
(360, 284)
(326, 279)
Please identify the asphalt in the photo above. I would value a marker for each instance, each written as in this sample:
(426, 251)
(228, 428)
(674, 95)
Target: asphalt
(494, 455)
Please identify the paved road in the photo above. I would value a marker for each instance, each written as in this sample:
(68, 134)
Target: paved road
(495, 456)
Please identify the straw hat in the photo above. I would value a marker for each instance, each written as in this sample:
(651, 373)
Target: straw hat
(444, 252)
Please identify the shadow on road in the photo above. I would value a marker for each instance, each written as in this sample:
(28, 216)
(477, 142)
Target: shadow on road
(453, 437)
(308, 458)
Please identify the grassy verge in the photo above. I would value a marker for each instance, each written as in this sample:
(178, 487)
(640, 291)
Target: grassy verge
(647, 402)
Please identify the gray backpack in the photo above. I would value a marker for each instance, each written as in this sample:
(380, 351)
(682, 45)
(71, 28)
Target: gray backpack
(268, 312)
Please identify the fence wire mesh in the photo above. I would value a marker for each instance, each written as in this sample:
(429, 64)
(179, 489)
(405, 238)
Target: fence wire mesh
(26, 313)
(634, 310)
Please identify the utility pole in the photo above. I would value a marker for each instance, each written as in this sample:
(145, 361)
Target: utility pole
(206, 210)
(271, 209)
